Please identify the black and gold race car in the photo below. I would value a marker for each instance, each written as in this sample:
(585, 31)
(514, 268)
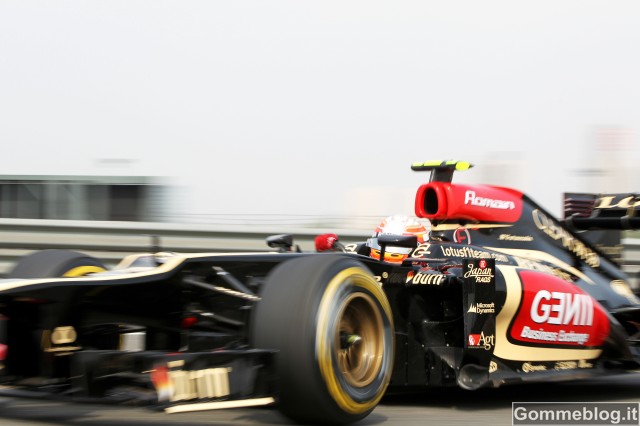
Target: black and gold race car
(501, 292)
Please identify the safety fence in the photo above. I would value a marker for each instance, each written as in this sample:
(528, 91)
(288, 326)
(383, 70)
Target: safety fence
(111, 241)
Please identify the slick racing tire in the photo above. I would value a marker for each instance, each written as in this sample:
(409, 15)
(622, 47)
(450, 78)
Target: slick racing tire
(331, 324)
(55, 264)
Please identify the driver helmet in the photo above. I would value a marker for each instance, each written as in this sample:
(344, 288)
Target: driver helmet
(397, 225)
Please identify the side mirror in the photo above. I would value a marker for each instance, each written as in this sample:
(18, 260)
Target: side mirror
(283, 242)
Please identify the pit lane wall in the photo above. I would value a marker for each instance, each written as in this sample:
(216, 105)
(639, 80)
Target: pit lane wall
(111, 241)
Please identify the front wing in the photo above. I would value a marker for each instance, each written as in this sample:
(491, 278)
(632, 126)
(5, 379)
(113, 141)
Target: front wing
(172, 382)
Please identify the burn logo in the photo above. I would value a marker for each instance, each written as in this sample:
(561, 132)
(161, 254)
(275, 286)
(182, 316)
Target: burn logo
(422, 278)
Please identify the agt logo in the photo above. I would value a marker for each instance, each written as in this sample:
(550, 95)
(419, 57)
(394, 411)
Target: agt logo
(481, 341)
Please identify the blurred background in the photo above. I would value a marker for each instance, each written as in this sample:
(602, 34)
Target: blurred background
(307, 113)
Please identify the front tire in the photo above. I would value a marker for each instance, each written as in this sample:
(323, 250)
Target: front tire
(56, 263)
(332, 326)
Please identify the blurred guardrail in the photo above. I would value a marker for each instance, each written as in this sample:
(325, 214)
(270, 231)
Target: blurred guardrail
(631, 260)
(111, 241)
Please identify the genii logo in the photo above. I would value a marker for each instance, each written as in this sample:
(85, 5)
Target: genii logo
(556, 313)
(422, 250)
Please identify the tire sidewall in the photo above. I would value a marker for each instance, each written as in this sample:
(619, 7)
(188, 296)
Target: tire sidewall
(55, 263)
(297, 316)
(353, 400)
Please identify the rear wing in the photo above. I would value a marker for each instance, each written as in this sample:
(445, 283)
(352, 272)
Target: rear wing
(441, 171)
(602, 211)
(604, 216)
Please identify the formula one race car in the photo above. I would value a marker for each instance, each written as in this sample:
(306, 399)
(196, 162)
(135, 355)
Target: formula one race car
(501, 292)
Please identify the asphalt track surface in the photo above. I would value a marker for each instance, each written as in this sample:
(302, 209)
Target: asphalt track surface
(433, 407)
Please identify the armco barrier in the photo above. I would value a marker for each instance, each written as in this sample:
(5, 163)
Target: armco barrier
(631, 261)
(111, 241)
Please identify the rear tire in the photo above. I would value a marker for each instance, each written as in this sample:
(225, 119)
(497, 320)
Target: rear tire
(332, 326)
(56, 263)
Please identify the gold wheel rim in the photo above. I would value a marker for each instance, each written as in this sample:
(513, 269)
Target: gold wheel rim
(360, 321)
(81, 271)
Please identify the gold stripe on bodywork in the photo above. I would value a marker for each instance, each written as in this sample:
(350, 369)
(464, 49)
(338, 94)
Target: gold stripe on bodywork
(219, 405)
(454, 226)
(540, 256)
(170, 264)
